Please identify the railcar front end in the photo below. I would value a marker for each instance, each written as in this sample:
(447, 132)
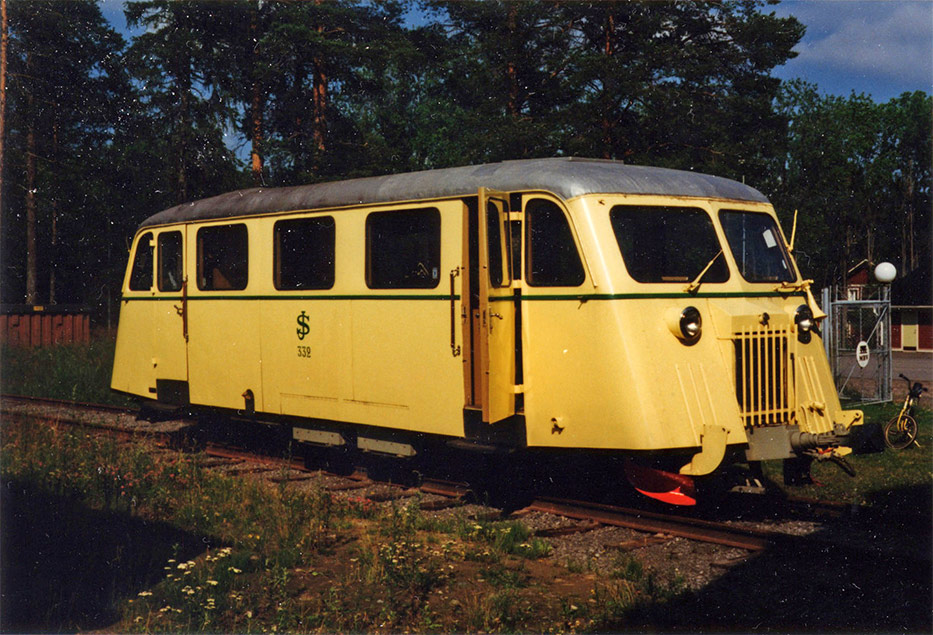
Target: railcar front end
(706, 347)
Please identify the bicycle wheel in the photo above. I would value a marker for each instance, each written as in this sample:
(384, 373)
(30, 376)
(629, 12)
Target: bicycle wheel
(898, 437)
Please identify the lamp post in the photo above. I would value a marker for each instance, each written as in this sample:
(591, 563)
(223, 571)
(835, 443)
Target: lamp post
(885, 273)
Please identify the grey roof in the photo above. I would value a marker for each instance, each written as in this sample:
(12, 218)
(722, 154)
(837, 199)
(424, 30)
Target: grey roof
(565, 177)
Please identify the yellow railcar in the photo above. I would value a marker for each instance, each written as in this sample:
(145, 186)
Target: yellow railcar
(550, 303)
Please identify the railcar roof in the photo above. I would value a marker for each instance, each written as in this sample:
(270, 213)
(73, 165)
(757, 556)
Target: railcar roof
(565, 177)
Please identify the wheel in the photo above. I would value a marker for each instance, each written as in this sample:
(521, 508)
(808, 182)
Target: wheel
(898, 437)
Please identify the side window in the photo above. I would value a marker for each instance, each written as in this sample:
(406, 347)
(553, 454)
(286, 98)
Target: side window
(141, 274)
(403, 249)
(171, 270)
(551, 259)
(223, 258)
(495, 247)
(304, 253)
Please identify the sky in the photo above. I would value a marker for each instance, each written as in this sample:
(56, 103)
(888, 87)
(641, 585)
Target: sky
(881, 48)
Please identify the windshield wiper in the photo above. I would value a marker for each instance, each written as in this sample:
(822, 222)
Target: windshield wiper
(695, 285)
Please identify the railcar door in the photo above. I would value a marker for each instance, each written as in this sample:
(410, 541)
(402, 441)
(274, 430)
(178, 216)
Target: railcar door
(170, 317)
(495, 352)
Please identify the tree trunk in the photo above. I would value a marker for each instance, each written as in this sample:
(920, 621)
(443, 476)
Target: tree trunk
(510, 71)
(32, 296)
(319, 102)
(3, 47)
(257, 100)
(54, 204)
(181, 72)
(607, 116)
(911, 261)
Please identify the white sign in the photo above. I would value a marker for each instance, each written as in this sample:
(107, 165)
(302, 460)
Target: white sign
(862, 354)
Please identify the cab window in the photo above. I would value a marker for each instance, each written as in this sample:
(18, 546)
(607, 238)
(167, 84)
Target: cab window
(141, 274)
(171, 269)
(403, 249)
(757, 246)
(668, 244)
(552, 259)
(304, 253)
(223, 258)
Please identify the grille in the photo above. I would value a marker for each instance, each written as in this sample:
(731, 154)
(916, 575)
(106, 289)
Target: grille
(762, 371)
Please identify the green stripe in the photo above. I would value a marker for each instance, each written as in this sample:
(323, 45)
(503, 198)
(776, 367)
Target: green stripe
(580, 297)
(193, 298)
(585, 297)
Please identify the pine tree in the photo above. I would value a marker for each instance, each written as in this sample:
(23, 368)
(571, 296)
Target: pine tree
(63, 85)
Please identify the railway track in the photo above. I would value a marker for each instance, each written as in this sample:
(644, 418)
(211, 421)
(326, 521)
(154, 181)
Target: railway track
(123, 423)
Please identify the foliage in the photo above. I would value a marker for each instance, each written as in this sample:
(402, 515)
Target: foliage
(77, 372)
(859, 173)
(315, 91)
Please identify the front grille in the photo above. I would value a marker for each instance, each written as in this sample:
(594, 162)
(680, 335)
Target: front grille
(762, 376)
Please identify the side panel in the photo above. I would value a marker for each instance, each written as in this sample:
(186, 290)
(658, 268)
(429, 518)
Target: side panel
(133, 368)
(496, 346)
(224, 352)
(404, 373)
(151, 344)
(380, 357)
(169, 319)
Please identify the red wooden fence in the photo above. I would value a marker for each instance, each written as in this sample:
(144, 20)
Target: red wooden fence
(25, 325)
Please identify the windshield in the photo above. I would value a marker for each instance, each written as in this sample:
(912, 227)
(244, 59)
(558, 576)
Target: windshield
(668, 244)
(757, 246)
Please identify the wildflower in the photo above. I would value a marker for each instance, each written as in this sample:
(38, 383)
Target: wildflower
(249, 614)
(212, 582)
(139, 618)
(144, 594)
(183, 565)
(234, 570)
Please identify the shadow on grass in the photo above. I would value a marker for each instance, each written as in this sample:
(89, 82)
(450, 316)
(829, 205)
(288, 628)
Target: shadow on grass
(820, 587)
(66, 567)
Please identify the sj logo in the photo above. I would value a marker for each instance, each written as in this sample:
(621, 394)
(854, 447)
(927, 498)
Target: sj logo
(303, 328)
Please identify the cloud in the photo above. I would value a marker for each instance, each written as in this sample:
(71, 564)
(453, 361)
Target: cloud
(887, 40)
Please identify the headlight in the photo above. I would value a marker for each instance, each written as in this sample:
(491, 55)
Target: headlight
(803, 318)
(686, 325)
(691, 323)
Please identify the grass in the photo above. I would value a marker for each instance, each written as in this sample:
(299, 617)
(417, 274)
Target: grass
(202, 551)
(79, 372)
(887, 479)
(106, 536)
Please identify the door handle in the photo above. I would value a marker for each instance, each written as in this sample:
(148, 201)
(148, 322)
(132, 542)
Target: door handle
(454, 348)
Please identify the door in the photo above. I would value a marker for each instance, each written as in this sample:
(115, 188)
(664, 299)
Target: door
(495, 348)
(170, 317)
(909, 331)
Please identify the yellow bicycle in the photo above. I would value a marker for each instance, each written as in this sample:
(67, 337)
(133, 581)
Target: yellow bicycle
(901, 430)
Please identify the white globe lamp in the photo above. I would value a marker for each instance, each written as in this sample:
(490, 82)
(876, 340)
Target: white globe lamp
(885, 272)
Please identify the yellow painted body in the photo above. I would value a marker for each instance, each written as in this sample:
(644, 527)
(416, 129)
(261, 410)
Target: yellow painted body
(601, 368)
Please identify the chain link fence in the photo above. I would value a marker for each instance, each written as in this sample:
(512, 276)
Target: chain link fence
(857, 336)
